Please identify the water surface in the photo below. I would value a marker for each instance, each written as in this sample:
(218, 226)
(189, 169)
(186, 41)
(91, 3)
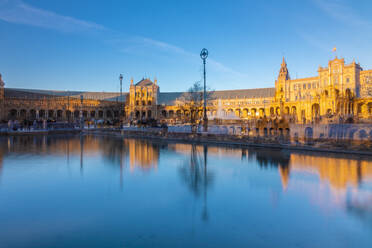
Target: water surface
(58, 191)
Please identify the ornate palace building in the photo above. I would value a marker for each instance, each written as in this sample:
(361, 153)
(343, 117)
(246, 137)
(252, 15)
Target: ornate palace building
(338, 93)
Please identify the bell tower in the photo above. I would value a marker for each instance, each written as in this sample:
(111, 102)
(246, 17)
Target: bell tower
(280, 83)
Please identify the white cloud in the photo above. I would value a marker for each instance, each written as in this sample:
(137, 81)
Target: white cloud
(18, 12)
(338, 10)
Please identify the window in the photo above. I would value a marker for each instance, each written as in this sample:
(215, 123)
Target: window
(304, 86)
(309, 86)
(347, 80)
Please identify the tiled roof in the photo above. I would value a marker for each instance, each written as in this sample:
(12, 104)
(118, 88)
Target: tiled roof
(165, 98)
(246, 93)
(145, 82)
(38, 94)
(168, 98)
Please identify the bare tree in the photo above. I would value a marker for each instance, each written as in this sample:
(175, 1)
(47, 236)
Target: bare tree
(193, 101)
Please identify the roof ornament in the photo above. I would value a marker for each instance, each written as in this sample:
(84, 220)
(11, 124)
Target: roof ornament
(131, 81)
(155, 81)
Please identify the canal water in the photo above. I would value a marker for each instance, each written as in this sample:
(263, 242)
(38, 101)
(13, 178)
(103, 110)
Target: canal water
(97, 191)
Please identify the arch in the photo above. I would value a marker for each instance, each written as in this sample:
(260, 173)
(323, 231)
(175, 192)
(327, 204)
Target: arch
(76, 114)
(100, 114)
(143, 102)
(149, 114)
(315, 110)
(32, 114)
(178, 113)
(149, 103)
(137, 114)
(237, 112)
(92, 114)
(50, 114)
(253, 112)
(294, 110)
(171, 113)
(85, 114)
(116, 114)
(370, 108)
(23, 114)
(59, 114)
(261, 112)
(108, 114)
(309, 133)
(13, 114)
(277, 111)
(245, 112)
(272, 111)
(286, 110)
(164, 114)
(42, 113)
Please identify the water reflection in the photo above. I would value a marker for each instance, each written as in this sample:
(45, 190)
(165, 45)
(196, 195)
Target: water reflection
(194, 172)
(160, 182)
(340, 171)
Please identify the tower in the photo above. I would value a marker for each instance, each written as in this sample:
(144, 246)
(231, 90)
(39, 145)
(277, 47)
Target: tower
(280, 83)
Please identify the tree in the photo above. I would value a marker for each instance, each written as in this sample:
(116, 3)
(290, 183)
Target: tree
(193, 101)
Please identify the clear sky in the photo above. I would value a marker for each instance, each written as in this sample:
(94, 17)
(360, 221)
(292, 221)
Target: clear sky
(86, 44)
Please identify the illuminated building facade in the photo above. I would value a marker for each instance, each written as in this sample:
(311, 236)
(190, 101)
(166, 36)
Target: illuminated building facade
(339, 93)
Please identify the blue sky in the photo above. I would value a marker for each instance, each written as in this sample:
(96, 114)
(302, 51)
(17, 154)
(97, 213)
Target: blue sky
(86, 44)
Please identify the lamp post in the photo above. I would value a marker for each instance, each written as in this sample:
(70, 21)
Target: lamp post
(121, 93)
(81, 112)
(203, 56)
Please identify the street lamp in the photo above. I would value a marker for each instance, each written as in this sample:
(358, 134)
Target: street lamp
(121, 93)
(203, 56)
(121, 85)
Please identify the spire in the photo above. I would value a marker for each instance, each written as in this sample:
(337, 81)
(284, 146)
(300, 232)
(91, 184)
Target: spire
(155, 81)
(284, 64)
(131, 81)
(283, 73)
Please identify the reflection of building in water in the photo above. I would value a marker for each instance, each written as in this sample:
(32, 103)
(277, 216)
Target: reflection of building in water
(339, 172)
(142, 154)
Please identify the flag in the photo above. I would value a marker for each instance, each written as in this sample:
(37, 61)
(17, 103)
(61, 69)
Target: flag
(334, 49)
